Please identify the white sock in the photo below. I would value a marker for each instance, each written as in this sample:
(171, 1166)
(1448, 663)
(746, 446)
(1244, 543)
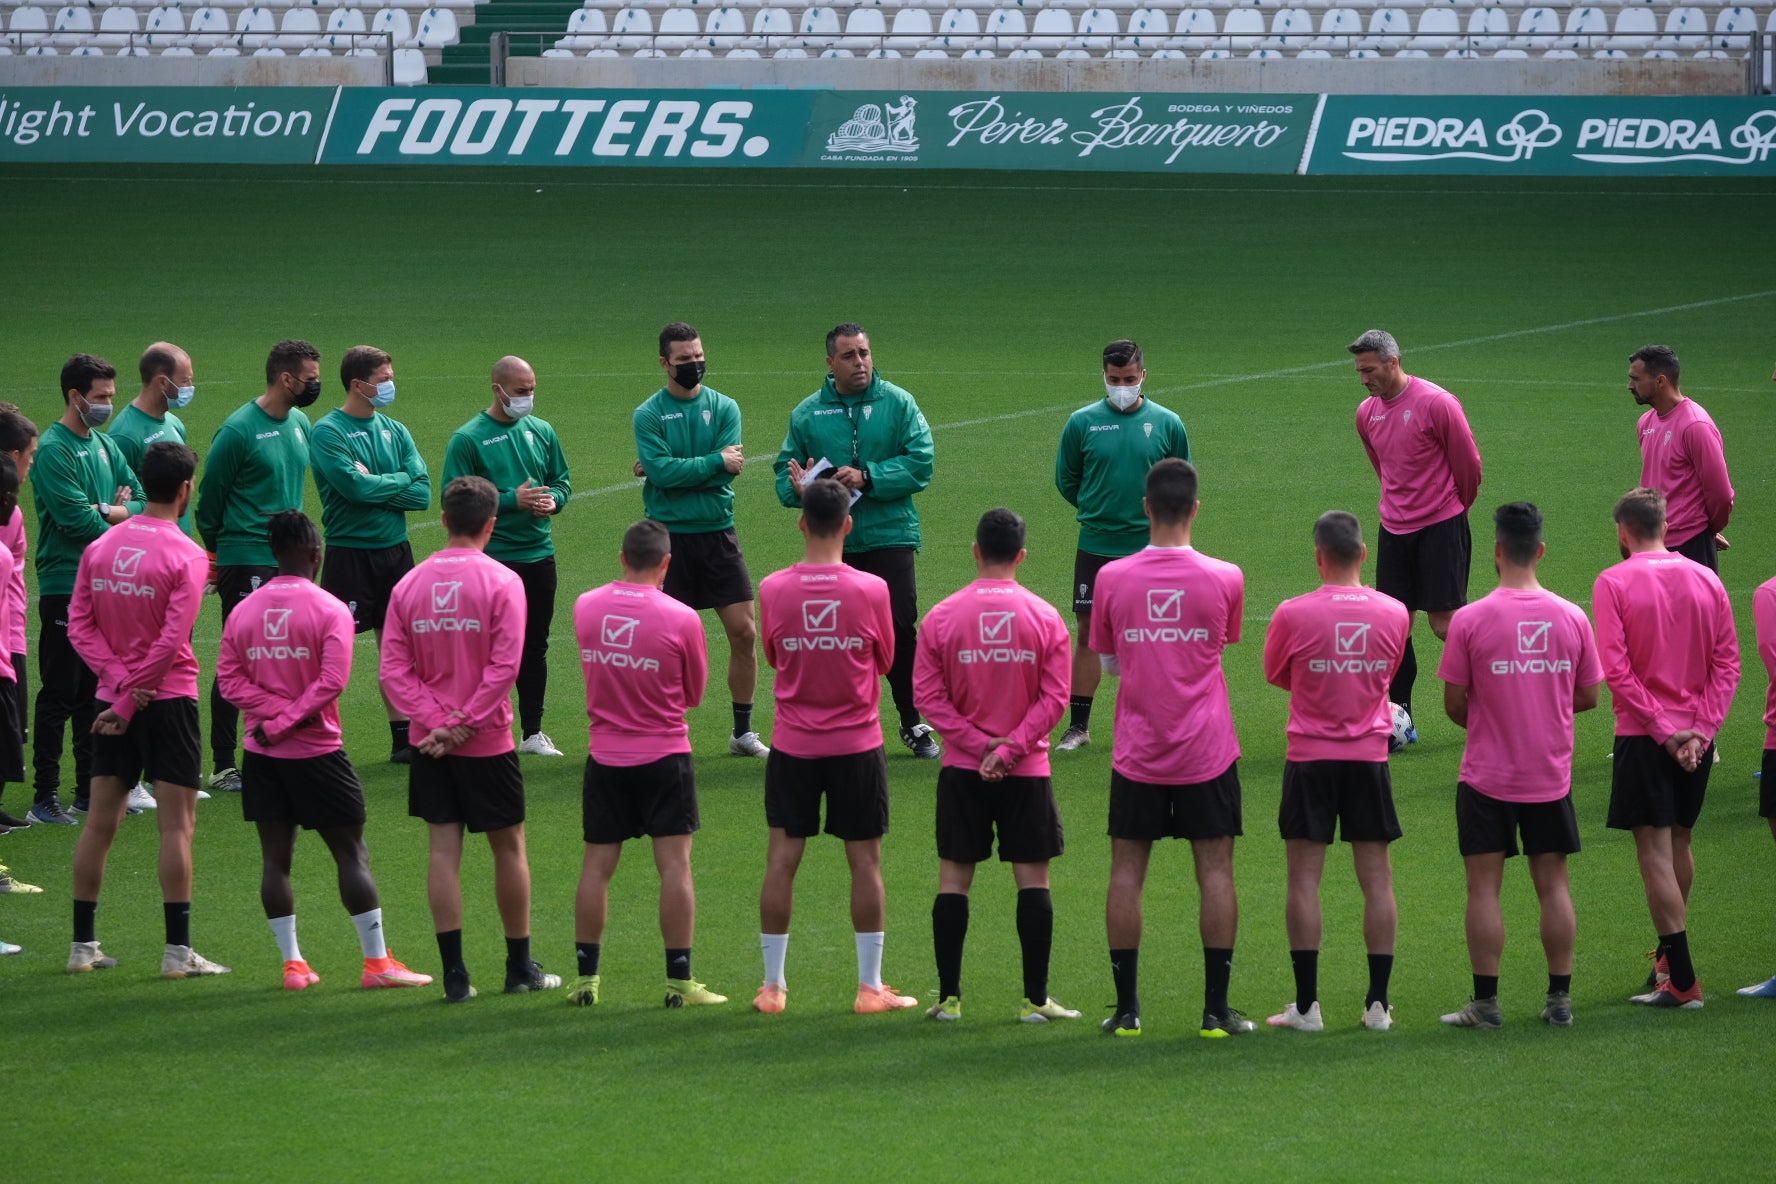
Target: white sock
(869, 959)
(284, 929)
(776, 948)
(370, 933)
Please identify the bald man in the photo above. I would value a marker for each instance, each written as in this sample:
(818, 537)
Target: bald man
(522, 456)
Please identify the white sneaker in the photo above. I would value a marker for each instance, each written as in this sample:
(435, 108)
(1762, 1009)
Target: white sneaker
(1378, 1017)
(142, 798)
(539, 744)
(1291, 1018)
(185, 962)
(203, 795)
(748, 744)
(84, 956)
(1073, 739)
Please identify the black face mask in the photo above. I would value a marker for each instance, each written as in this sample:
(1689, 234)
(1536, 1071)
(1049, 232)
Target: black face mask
(311, 390)
(688, 374)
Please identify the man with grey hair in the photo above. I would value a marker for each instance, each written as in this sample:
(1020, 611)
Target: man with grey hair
(1424, 454)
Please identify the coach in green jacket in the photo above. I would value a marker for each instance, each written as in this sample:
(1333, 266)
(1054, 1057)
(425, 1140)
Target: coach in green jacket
(875, 436)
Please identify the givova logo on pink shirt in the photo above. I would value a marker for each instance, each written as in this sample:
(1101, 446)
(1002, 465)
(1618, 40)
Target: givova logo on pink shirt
(618, 632)
(1165, 615)
(1350, 649)
(1165, 604)
(275, 625)
(446, 597)
(1532, 640)
(995, 627)
(127, 562)
(126, 566)
(996, 641)
(1532, 637)
(821, 617)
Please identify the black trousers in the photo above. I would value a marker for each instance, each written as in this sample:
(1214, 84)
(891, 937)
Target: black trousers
(66, 697)
(895, 565)
(234, 584)
(539, 613)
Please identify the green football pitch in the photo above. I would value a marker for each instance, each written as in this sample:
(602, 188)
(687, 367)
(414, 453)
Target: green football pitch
(989, 297)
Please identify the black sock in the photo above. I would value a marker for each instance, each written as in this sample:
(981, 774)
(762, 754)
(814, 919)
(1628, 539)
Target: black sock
(1307, 978)
(1486, 986)
(1035, 927)
(1400, 690)
(949, 930)
(1081, 706)
(1217, 969)
(450, 950)
(178, 922)
(909, 722)
(1125, 969)
(84, 911)
(1560, 982)
(1381, 968)
(518, 953)
(586, 954)
(742, 718)
(398, 737)
(1677, 953)
(678, 963)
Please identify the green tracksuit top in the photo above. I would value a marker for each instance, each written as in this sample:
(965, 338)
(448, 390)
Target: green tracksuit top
(1101, 468)
(367, 511)
(881, 430)
(70, 476)
(679, 441)
(257, 466)
(133, 429)
(508, 454)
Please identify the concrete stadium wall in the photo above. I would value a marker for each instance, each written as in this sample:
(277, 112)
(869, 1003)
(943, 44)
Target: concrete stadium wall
(28, 70)
(1422, 76)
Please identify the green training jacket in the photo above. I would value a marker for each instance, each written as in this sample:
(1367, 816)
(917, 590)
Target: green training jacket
(257, 466)
(508, 454)
(69, 477)
(367, 511)
(679, 442)
(1101, 468)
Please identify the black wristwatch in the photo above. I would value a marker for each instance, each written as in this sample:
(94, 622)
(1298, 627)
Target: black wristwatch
(868, 481)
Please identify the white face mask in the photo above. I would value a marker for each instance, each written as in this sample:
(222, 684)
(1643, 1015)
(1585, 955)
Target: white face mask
(1123, 397)
(385, 393)
(515, 406)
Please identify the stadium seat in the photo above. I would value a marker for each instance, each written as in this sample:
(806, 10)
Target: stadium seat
(1195, 29)
(790, 51)
(86, 51)
(1733, 29)
(300, 28)
(1007, 29)
(633, 28)
(208, 27)
(771, 28)
(1489, 29)
(1439, 27)
(115, 27)
(1340, 28)
(911, 30)
(410, 67)
(724, 29)
(1241, 29)
(27, 18)
(437, 28)
(865, 29)
(164, 27)
(979, 51)
(678, 30)
(957, 29)
(881, 52)
(1636, 28)
(224, 51)
(744, 51)
(269, 51)
(1561, 55)
(1388, 29)
(1290, 29)
(343, 22)
(1050, 31)
(1585, 30)
(695, 51)
(1145, 31)
(1097, 30)
(1512, 54)
(817, 28)
(1686, 27)
(1537, 29)
(254, 27)
(396, 23)
(73, 25)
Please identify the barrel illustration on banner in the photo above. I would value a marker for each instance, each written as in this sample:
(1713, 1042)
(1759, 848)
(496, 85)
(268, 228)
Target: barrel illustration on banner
(869, 131)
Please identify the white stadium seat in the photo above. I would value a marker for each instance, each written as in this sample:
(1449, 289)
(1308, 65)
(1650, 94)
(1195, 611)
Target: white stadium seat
(724, 29)
(771, 28)
(73, 25)
(1635, 29)
(1242, 29)
(1146, 31)
(817, 28)
(1007, 29)
(342, 23)
(1388, 29)
(865, 29)
(1585, 30)
(437, 28)
(396, 23)
(1195, 29)
(1686, 27)
(115, 27)
(678, 30)
(957, 29)
(1050, 31)
(1733, 29)
(1438, 28)
(300, 28)
(1290, 29)
(254, 27)
(1536, 29)
(410, 67)
(1489, 28)
(911, 30)
(1340, 28)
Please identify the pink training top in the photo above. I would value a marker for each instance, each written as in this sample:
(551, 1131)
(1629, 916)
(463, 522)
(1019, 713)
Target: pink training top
(1167, 613)
(450, 647)
(1520, 654)
(994, 661)
(1335, 650)
(827, 632)
(12, 621)
(135, 600)
(1681, 457)
(645, 664)
(1763, 616)
(9, 596)
(1423, 452)
(287, 655)
(1670, 655)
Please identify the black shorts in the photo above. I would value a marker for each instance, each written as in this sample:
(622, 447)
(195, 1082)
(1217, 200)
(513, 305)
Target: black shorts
(1205, 810)
(1701, 548)
(855, 786)
(482, 793)
(162, 743)
(1357, 796)
(1086, 567)
(619, 802)
(1021, 809)
(707, 570)
(363, 580)
(1426, 570)
(1767, 786)
(1486, 826)
(12, 742)
(1649, 788)
(238, 581)
(313, 792)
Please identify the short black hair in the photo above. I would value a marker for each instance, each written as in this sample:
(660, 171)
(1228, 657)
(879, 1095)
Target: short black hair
(1122, 352)
(359, 363)
(9, 476)
(1339, 535)
(825, 506)
(1000, 535)
(81, 371)
(1658, 359)
(1171, 491)
(1642, 511)
(286, 357)
(16, 429)
(470, 503)
(676, 331)
(166, 466)
(1518, 528)
(646, 543)
(291, 532)
(847, 329)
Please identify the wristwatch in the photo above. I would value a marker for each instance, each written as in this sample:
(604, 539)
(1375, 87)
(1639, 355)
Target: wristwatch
(105, 511)
(868, 481)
